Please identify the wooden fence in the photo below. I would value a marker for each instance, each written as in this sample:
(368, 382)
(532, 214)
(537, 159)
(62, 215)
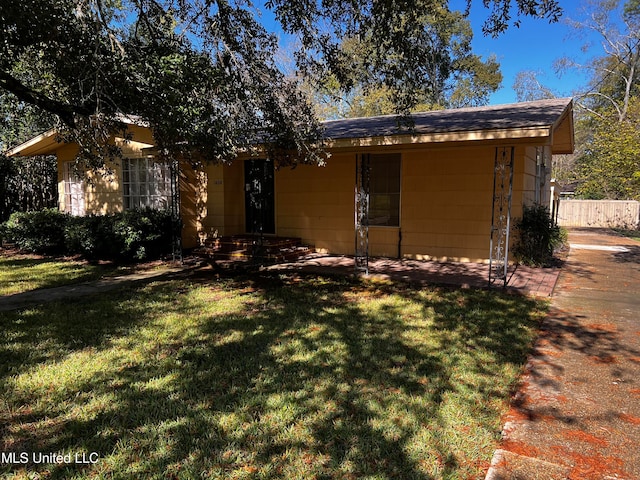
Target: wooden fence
(599, 213)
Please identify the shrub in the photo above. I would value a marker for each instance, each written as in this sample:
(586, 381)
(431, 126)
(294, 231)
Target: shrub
(41, 232)
(92, 236)
(144, 233)
(130, 235)
(537, 237)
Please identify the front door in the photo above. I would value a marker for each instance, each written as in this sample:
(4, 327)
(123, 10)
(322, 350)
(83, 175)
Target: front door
(259, 196)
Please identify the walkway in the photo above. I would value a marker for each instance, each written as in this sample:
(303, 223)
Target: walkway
(44, 295)
(577, 413)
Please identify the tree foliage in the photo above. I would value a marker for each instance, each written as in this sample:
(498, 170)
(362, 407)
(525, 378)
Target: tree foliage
(607, 163)
(609, 167)
(529, 88)
(202, 73)
(450, 74)
(615, 76)
(27, 184)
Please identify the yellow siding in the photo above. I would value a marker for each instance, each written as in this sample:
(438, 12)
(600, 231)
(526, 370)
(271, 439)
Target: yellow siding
(213, 224)
(446, 203)
(193, 204)
(383, 241)
(103, 190)
(317, 204)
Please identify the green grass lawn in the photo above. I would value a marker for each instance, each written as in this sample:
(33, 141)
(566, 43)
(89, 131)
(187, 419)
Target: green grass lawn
(265, 377)
(20, 273)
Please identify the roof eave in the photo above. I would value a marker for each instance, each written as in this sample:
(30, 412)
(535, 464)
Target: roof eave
(43, 144)
(441, 137)
(563, 134)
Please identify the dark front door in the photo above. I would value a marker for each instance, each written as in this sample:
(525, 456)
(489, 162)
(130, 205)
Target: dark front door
(258, 196)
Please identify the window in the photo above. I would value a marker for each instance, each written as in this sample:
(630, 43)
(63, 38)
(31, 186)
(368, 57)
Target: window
(146, 183)
(73, 190)
(541, 175)
(384, 190)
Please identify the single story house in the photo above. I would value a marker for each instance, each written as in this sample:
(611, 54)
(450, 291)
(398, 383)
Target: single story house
(444, 189)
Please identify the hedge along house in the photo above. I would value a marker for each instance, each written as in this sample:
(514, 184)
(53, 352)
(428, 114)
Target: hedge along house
(444, 188)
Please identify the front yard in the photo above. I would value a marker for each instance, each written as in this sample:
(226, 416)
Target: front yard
(262, 377)
(22, 272)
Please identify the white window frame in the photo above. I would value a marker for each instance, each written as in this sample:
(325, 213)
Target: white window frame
(145, 183)
(74, 190)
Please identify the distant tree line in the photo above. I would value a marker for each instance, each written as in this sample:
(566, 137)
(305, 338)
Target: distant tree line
(27, 184)
(606, 164)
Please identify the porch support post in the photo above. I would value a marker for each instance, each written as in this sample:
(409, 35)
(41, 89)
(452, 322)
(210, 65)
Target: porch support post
(363, 169)
(501, 214)
(176, 233)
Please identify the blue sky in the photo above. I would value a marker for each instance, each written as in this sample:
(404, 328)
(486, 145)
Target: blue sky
(535, 46)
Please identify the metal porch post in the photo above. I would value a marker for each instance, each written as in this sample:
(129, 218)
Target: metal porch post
(501, 214)
(175, 211)
(363, 169)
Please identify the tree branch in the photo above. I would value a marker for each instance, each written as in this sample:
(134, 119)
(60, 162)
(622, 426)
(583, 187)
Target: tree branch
(64, 111)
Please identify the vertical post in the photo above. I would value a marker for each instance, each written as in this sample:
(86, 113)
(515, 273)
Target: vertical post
(501, 214)
(363, 169)
(175, 211)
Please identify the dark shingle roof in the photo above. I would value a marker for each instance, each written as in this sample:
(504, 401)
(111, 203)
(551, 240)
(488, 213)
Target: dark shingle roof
(541, 113)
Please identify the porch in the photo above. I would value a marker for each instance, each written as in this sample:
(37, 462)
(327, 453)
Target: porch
(538, 282)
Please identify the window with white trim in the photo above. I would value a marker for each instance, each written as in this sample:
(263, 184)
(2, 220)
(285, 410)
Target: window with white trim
(146, 183)
(542, 163)
(384, 190)
(73, 190)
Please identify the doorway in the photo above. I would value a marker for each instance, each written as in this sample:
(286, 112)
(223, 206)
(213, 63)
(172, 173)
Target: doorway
(259, 198)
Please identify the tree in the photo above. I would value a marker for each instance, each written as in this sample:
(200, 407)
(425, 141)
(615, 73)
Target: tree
(528, 87)
(610, 164)
(615, 77)
(451, 76)
(25, 184)
(608, 158)
(202, 73)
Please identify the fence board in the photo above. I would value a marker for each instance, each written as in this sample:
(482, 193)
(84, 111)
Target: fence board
(599, 213)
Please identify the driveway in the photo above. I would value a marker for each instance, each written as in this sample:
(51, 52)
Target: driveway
(577, 412)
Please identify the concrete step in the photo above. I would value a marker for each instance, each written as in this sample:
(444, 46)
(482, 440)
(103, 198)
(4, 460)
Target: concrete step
(243, 248)
(507, 465)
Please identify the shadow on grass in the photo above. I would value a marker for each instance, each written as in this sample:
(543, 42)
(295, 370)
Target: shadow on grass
(31, 273)
(265, 377)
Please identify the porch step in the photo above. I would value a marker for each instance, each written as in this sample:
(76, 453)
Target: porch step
(244, 248)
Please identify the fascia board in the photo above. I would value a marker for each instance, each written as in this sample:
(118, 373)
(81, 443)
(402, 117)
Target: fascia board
(43, 144)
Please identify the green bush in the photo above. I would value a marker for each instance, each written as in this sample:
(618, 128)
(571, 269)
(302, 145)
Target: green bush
(41, 232)
(131, 235)
(537, 237)
(144, 233)
(92, 237)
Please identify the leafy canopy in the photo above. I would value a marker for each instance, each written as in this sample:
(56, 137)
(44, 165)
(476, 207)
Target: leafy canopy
(608, 160)
(203, 74)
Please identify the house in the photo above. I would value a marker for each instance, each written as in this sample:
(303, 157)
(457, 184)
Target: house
(445, 188)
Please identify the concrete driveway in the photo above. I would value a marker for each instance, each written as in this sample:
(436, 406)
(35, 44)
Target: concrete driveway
(577, 412)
